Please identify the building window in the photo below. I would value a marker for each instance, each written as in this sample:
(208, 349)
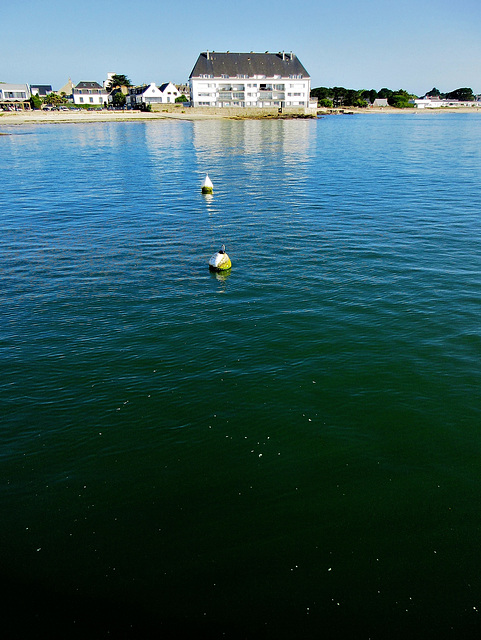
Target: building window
(91, 99)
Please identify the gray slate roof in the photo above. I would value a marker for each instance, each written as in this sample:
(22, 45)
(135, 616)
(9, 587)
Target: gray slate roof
(250, 64)
(88, 85)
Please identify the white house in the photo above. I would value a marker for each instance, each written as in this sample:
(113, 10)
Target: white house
(380, 102)
(144, 95)
(14, 92)
(40, 90)
(249, 80)
(91, 93)
(437, 103)
(150, 94)
(169, 92)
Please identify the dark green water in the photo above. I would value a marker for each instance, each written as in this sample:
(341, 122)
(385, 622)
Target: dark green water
(288, 451)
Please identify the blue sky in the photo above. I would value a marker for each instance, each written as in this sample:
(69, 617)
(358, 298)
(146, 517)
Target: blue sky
(413, 44)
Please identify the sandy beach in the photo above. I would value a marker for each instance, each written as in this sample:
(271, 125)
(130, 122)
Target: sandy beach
(49, 117)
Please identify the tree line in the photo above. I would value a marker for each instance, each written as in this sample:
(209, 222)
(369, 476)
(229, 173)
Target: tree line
(464, 94)
(341, 97)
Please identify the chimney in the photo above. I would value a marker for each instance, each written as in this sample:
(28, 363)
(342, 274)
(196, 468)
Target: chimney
(207, 54)
(283, 55)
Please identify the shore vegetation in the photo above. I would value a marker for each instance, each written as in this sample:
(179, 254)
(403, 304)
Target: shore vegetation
(329, 97)
(464, 94)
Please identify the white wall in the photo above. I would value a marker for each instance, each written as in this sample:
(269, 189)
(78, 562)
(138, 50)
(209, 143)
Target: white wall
(426, 103)
(170, 93)
(90, 96)
(250, 92)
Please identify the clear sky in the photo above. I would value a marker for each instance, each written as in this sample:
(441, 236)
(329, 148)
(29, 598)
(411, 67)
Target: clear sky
(410, 44)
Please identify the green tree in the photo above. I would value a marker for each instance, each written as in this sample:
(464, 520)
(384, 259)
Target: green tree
(118, 80)
(354, 98)
(322, 93)
(384, 93)
(369, 96)
(35, 102)
(400, 99)
(465, 93)
(434, 93)
(338, 96)
(181, 98)
(118, 98)
(54, 100)
(326, 103)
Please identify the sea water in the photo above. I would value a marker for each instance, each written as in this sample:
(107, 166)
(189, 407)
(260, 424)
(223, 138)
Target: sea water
(288, 450)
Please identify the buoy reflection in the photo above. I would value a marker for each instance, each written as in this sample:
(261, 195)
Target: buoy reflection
(221, 277)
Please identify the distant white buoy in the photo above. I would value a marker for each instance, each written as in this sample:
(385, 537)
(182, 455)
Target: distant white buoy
(220, 261)
(207, 186)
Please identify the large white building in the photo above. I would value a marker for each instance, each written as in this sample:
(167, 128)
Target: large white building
(249, 80)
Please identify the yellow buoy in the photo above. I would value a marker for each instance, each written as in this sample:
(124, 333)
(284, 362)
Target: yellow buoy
(220, 261)
(207, 186)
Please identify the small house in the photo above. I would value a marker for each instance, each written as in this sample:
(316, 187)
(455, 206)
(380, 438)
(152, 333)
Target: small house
(169, 92)
(14, 96)
(143, 95)
(40, 90)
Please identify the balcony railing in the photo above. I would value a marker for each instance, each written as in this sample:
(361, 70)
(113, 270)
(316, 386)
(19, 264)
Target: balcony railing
(231, 95)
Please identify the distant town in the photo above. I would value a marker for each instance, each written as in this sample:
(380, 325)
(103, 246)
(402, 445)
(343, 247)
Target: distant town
(253, 81)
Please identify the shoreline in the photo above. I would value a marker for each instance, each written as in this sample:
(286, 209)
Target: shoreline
(394, 110)
(59, 117)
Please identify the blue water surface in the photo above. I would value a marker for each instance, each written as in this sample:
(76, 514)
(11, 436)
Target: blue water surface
(288, 450)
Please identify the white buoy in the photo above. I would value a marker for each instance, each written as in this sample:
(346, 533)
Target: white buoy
(207, 186)
(220, 261)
